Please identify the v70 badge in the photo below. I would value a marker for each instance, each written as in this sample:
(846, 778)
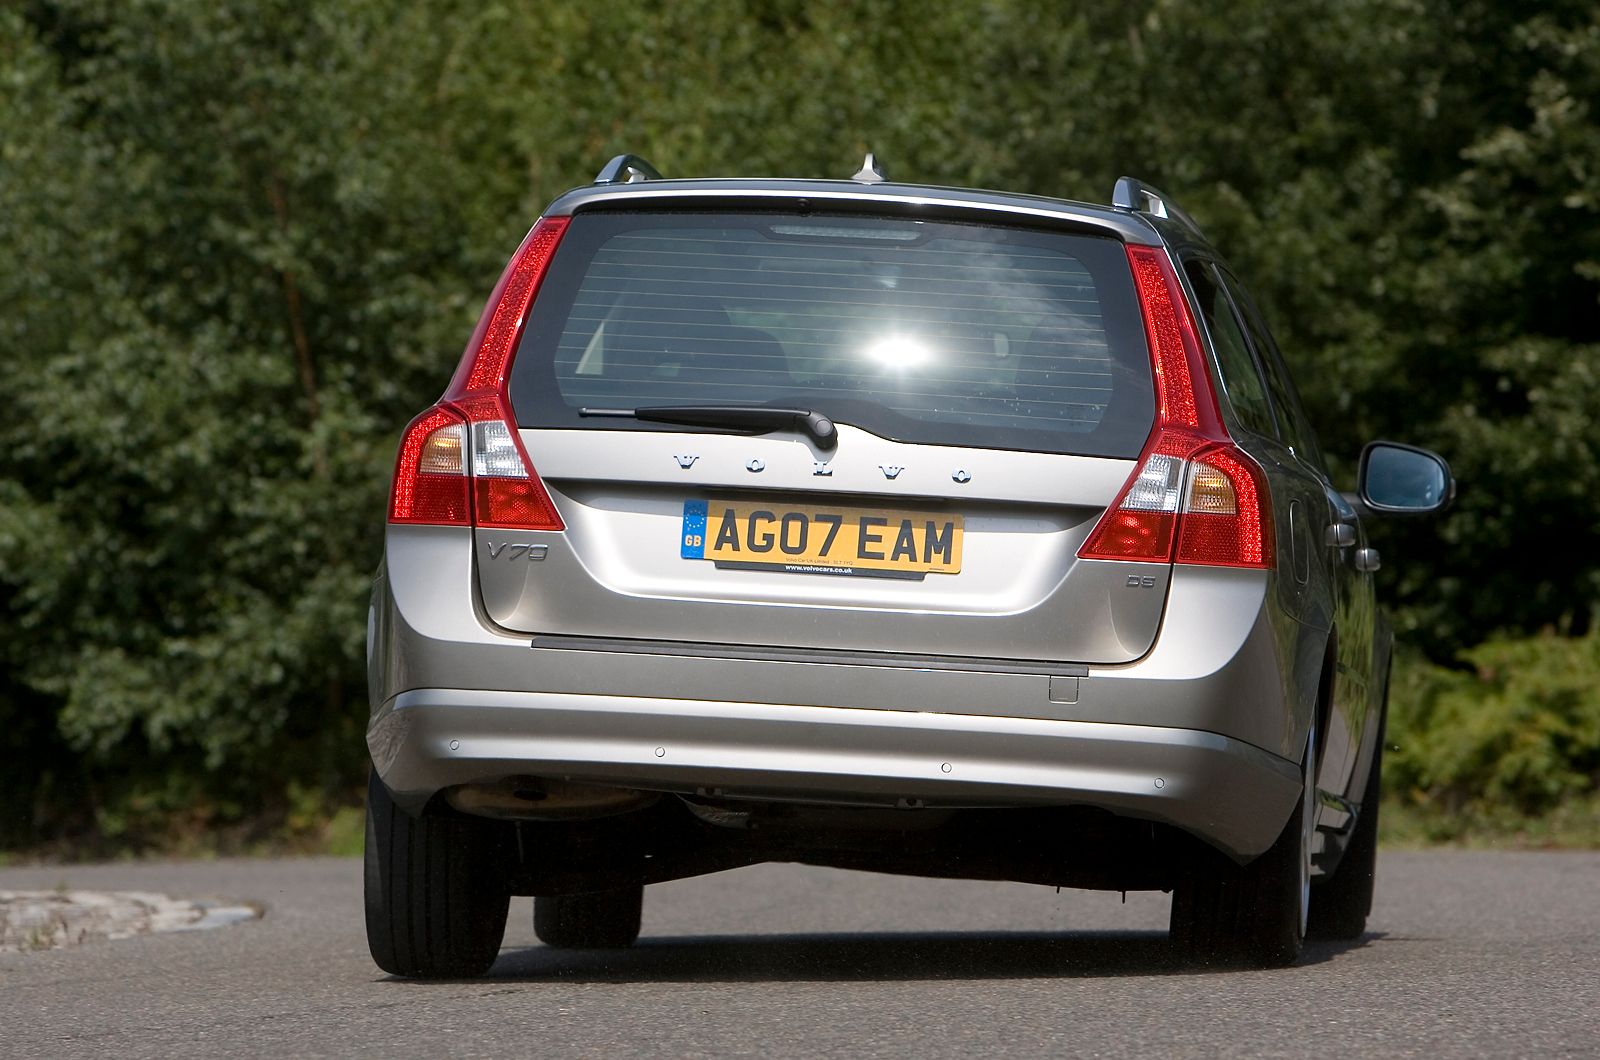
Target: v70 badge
(533, 552)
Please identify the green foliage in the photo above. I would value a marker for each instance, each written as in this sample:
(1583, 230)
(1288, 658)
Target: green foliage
(345, 835)
(1571, 824)
(242, 243)
(1519, 734)
(223, 295)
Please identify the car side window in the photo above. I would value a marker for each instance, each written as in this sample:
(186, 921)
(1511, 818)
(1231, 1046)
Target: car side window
(1296, 429)
(1240, 377)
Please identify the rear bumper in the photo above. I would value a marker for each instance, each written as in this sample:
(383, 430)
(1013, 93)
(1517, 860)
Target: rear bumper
(1230, 793)
(1218, 711)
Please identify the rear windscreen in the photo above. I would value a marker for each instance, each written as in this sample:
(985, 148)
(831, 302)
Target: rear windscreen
(916, 331)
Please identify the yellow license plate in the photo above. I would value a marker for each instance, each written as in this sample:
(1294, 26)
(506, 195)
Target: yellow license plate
(875, 542)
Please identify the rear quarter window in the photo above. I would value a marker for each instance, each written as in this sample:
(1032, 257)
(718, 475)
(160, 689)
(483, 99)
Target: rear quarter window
(1241, 379)
(915, 331)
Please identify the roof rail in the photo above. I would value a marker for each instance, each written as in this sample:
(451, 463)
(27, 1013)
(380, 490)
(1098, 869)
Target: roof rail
(1139, 197)
(626, 169)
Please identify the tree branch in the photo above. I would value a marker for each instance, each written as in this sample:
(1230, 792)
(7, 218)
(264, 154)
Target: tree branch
(291, 293)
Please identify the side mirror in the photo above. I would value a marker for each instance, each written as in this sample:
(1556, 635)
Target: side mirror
(1398, 479)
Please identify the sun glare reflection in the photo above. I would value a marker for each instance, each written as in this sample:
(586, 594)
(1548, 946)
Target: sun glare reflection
(898, 352)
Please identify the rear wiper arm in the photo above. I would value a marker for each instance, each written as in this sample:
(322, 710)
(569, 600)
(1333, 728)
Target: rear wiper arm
(753, 417)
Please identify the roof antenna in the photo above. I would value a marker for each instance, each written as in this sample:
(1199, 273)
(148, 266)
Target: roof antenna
(870, 172)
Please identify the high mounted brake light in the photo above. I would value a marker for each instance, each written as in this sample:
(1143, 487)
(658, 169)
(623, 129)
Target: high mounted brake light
(1194, 496)
(491, 483)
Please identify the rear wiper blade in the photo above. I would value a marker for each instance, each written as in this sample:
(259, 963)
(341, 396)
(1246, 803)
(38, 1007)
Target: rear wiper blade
(753, 417)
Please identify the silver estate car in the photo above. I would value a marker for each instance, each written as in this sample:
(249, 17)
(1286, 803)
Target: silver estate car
(909, 529)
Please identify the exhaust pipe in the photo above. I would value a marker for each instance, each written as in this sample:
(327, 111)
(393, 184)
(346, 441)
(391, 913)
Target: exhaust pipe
(543, 799)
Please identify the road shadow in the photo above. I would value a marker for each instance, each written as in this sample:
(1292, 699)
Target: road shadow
(875, 957)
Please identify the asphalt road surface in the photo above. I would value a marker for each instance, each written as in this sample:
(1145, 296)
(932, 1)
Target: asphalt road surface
(1468, 954)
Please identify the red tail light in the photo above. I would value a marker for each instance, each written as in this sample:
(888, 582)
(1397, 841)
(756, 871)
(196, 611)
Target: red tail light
(430, 472)
(1140, 525)
(1227, 514)
(1194, 497)
(495, 483)
(506, 490)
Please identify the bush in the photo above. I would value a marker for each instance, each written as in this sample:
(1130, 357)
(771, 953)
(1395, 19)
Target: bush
(1515, 738)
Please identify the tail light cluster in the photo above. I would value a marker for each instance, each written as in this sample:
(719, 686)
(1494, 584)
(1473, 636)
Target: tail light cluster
(461, 463)
(1195, 497)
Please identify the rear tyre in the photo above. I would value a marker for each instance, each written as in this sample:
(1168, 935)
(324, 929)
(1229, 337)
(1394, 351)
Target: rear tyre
(1340, 906)
(602, 920)
(1253, 915)
(436, 903)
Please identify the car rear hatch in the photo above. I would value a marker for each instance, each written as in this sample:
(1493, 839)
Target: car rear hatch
(989, 387)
